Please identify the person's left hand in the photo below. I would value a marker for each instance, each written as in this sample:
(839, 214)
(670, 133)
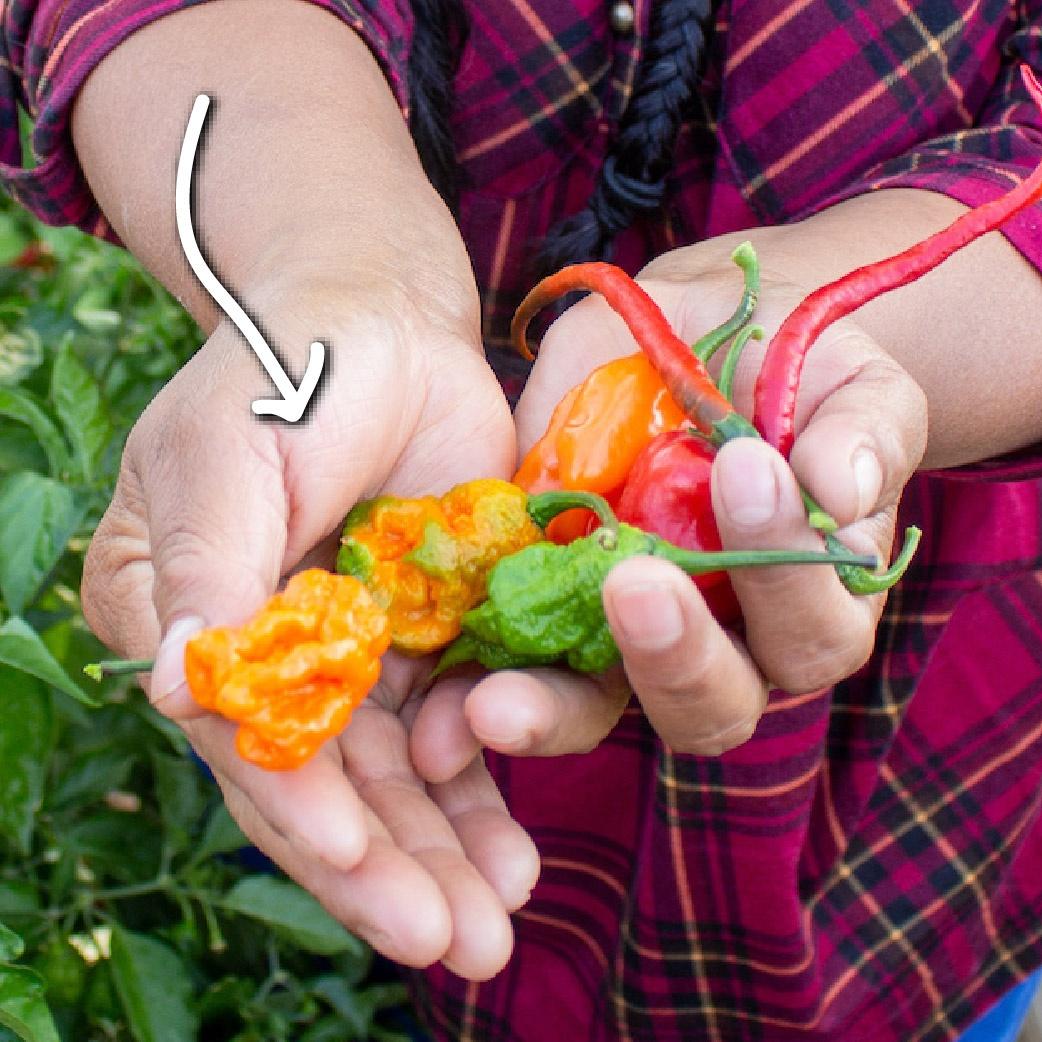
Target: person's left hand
(862, 432)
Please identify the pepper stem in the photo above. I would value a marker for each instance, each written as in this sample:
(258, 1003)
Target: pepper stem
(707, 346)
(545, 506)
(698, 562)
(734, 353)
(860, 581)
(116, 668)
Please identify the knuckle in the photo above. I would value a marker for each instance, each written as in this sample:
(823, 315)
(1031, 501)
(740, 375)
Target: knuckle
(723, 741)
(825, 663)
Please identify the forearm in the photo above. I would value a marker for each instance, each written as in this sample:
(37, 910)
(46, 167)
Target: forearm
(307, 165)
(961, 331)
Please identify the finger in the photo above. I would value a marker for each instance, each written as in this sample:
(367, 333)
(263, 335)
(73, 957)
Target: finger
(496, 845)
(441, 742)
(803, 628)
(863, 442)
(388, 899)
(699, 690)
(544, 712)
(314, 808)
(375, 751)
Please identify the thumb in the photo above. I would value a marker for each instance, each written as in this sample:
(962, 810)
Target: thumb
(217, 520)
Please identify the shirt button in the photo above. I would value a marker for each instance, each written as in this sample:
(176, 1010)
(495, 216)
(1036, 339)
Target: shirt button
(623, 17)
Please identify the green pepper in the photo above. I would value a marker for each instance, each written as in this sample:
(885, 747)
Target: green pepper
(544, 602)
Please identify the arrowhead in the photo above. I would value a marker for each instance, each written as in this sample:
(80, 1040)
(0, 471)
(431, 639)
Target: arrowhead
(292, 405)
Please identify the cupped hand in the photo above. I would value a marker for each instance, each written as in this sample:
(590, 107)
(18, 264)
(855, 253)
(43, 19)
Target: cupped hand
(213, 507)
(862, 423)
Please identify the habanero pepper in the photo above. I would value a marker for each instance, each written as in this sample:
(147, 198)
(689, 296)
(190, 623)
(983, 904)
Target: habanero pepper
(292, 676)
(668, 494)
(426, 561)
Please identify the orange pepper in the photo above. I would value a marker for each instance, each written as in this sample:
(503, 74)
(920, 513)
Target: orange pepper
(426, 561)
(292, 676)
(596, 434)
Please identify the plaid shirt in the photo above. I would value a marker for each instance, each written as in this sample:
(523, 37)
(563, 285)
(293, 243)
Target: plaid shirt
(868, 867)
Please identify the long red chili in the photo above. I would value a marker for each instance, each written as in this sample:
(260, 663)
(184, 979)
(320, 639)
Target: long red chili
(779, 377)
(686, 378)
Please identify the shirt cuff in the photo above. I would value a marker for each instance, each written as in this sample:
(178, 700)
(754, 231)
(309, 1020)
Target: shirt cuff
(49, 52)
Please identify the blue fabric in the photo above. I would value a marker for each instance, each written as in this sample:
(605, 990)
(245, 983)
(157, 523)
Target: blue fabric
(1002, 1023)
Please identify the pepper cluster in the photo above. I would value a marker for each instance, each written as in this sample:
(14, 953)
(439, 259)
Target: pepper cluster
(623, 469)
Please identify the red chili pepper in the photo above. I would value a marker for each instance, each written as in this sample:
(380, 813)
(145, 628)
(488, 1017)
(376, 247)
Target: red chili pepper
(686, 378)
(779, 377)
(668, 493)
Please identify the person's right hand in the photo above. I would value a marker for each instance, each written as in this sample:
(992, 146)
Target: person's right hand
(213, 507)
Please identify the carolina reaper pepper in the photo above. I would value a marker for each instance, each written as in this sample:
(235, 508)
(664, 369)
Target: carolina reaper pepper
(544, 602)
(292, 676)
(426, 561)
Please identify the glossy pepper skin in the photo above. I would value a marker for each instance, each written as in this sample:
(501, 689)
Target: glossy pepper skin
(292, 676)
(596, 434)
(668, 493)
(426, 561)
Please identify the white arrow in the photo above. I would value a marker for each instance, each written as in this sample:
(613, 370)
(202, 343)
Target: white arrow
(294, 399)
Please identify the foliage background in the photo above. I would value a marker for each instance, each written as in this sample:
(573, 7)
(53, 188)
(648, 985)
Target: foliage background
(125, 911)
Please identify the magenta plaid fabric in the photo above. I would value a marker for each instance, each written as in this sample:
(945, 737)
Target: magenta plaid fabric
(869, 867)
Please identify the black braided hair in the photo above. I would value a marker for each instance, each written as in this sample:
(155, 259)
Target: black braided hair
(439, 36)
(632, 180)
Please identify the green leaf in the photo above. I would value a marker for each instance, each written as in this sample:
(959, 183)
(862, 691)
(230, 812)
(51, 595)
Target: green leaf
(22, 648)
(37, 517)
(19, 902)
(11, 945)
(25, 744)
(18, 405)
(91, 313)
(292, 912)
(14, 237)
(154, 988)
(77, 401)
(21, 353)
(221, 835)
(23, 1008)
(179, 788)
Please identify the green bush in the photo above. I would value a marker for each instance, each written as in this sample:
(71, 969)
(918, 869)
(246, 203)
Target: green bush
(124, 913)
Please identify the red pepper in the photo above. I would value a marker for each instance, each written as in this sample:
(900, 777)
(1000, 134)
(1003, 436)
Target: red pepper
(684, 375)
(668, 493)
(779, 377)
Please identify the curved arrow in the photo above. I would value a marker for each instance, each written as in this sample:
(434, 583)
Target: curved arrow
(294, 399)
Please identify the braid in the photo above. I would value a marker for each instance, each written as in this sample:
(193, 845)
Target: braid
(439, 35)
(632, 180)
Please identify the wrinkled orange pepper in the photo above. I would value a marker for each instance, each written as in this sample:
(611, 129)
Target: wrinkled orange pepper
(426, 561)
(292, 676)
(596, 434)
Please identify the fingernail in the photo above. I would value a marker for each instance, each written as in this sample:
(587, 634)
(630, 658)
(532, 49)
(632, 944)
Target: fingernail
(868, 477)
(649, 616)
(168, 673)
(748, 485)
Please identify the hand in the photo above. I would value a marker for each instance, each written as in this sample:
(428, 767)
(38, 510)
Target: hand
(213, 506)
(863, 427)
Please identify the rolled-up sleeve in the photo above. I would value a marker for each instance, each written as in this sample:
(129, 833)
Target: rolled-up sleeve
(979, 163)
(49, 47)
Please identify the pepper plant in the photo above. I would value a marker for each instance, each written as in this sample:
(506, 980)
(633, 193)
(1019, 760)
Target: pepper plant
(128, 910)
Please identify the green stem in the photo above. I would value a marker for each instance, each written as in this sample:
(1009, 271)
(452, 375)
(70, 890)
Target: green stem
(698, 562)
(861, 581)
(545, 506)
(745, 257)
(117, 668)
(734, 353)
